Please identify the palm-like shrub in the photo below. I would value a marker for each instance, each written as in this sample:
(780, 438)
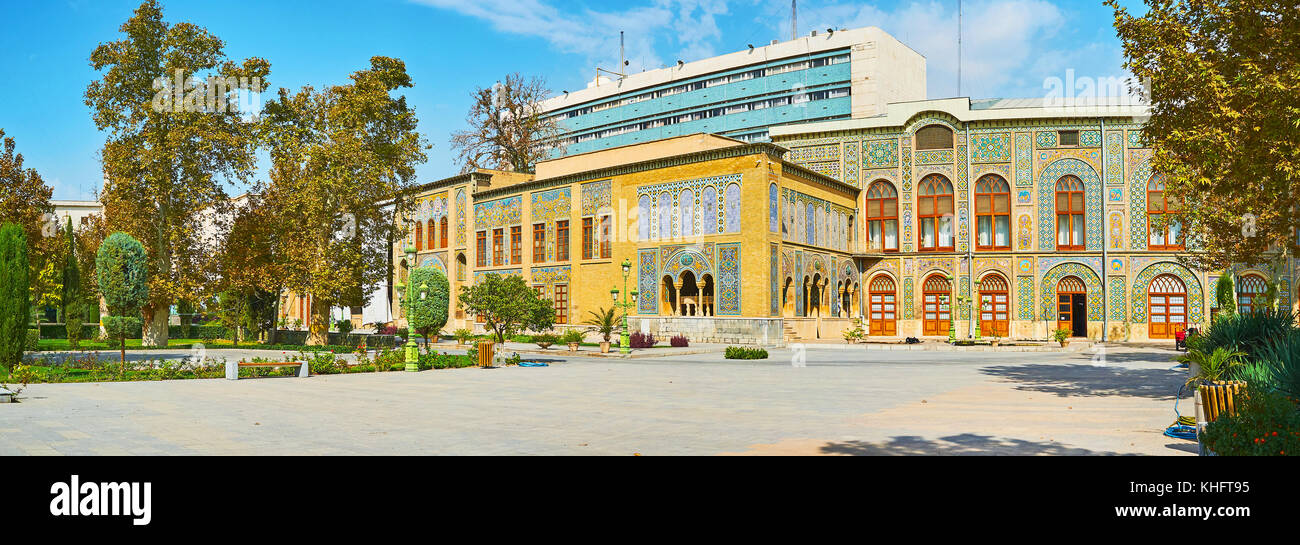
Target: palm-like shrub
(1214, 365)
(604, 322)
(1247, 333)
(1276, 366)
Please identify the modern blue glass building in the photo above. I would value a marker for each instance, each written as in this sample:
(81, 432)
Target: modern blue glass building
(821, 77)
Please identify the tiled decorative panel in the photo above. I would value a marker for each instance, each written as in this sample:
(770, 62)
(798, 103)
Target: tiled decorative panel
(1114, 158)
(498, 213)
(1090, 139)
(909, 304)
(806, 154)
(880, 154)
(595, 197)
(1046, 139)
(1025, 297)
(461, 213)
(709, 195)
(851, 163)
(1138, 200)
(549, 206)
(647, 282)
(1024, 160)
(774, 282)
(991, 148)
(934, 157)
(1116, 300)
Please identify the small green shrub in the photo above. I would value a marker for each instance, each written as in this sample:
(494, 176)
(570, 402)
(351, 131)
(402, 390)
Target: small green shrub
(462, 335)
(1247, 332)
(1266, 424)
(1061, 335)
(744, 353)
(571, 336)
(545, 340)
(33, 341)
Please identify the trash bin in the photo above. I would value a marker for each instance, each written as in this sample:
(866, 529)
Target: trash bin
(485, 353)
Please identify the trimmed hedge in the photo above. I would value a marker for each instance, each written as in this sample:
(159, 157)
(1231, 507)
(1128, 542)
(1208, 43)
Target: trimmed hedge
(742, 353)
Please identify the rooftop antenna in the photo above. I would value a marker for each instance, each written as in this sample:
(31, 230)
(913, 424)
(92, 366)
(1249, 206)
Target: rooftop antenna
(794, 19)
(958, 47)
(622, 62)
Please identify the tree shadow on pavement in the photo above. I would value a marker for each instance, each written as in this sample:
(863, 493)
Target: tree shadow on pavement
(1092, 380)
(966, 444)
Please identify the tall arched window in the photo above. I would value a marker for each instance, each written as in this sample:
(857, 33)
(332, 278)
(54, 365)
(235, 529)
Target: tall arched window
(709, 210)
(733, 208)
(442, 232)
(643, 218)
(937, 293)
(1069, 214)
(686, 212)
(419, 236)
(1250, 287)
(993, 305)
(934, 213)
(1167, 235)
(992, 213)
(1167, 304)
(810, 224)
(429, 234)
(665, 216)
(882, 217)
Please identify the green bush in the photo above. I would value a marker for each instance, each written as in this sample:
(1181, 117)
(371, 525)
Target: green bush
(1277, 365)
(435, 360)
(33, 342)
(1266, 424)
(15, 304)
(743, 353)
(545, 340)
(343, 326)
(571, 336)
(322, 363)
(1244, 332)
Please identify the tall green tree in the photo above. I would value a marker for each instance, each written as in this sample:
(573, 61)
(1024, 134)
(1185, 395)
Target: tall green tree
(336, 155)
(169, 103)
(14, 299)
(249, 263)
(122, 270)
(507, 305)
(72, 300)
(1225, 296)
(428, 308)
(24, 197)
(1224, 79)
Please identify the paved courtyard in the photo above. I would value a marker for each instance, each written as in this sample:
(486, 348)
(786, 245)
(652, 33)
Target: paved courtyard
(842, 402)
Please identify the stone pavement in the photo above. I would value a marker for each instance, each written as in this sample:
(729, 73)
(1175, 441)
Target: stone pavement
(842, 402)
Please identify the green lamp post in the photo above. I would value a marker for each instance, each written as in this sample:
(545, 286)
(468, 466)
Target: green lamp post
(979, 309)
(407, 294)
(624, 341)
(952, 315)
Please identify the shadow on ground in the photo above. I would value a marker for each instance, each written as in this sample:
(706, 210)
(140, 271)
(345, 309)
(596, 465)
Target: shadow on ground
(966, 444)
(1092, 380)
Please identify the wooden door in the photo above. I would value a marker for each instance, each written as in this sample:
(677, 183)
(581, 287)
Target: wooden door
(883, 307)
(936, 295)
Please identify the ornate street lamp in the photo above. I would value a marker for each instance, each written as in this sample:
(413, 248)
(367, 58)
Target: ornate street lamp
(412, 349)
(952, 311)
(979, 316)
(624, 341)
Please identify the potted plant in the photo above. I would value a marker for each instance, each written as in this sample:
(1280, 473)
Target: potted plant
(462, 335)
(572, 338)
(1203, 368)
(997, 341)
(602, 322)
(544, 340)
(1062, 336)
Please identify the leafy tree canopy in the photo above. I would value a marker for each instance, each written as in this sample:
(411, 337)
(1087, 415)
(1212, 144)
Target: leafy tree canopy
(507, 305)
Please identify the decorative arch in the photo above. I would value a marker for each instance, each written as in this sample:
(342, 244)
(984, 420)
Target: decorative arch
(1084, 273)
(1138, 299)
(687, 260)
(1137, 204)
(436, 262)
(1047, 179)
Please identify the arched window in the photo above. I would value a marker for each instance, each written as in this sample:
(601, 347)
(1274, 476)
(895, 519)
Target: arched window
(992, 213)
(934, 213)
(1167, 302)
(936, 292)
(733, 208)
(665, 216)
(882, 217)
(419, 236)
(709, 210)
(1167, 235)
(810, 224)
(442, 232)
(934, 137)
(994, 304)
(686, 212)
(1069, 214)
(1249, 288)
(883, 309)
(643, 218)
(429, 234)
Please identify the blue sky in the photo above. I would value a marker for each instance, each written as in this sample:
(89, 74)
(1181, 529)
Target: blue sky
(451, 46)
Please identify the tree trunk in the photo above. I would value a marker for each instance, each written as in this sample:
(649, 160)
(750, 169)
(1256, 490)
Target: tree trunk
(318, 327)
(154, 330)
(103, 311)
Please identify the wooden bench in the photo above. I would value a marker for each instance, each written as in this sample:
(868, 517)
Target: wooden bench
(232, 367)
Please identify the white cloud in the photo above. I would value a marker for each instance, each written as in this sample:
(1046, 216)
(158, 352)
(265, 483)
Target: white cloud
(685, 27)
(1000, 38)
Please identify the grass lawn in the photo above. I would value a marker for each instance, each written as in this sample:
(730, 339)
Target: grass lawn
(135, 344)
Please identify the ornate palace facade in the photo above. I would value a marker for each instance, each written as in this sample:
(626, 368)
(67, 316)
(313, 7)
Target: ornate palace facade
(1044, 218)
